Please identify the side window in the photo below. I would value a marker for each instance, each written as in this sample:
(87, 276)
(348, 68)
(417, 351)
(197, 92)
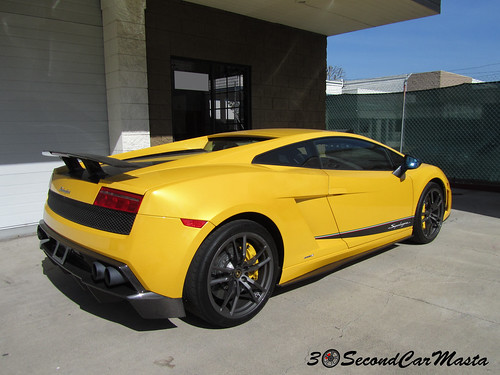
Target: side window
(302, 154)
(345, 153)
(396, 159)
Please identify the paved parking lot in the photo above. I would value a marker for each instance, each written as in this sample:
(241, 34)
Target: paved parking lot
(406, 299)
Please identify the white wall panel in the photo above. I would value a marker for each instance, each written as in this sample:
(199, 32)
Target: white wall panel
(52, 96)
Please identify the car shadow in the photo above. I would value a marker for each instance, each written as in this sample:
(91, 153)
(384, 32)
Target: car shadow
(328, 270)
(119, 312)
(199, 323)
(312, 278)
(123, 313)
(485, 203)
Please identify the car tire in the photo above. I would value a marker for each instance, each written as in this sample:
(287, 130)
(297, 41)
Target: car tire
(226, 285)
(429, 214)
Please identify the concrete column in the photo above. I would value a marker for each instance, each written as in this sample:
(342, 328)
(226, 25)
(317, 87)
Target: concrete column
(126, 74)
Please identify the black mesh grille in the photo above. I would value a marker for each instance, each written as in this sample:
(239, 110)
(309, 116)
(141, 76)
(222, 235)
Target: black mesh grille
(91, 216)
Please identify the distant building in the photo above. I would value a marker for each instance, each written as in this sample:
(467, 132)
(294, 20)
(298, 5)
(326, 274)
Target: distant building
(384, 85)
(334, 87)
(436, 80)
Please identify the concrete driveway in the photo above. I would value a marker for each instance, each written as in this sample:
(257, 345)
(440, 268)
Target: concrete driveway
(400, 305)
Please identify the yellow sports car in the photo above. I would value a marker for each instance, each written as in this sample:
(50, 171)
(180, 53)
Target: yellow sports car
(211, 224)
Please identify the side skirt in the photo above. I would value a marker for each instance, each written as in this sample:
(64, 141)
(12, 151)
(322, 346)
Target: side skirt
(329, 268)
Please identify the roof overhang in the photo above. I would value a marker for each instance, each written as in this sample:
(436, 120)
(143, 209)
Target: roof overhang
(328, 17)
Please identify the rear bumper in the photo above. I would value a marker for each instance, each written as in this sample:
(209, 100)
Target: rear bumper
(78, 261)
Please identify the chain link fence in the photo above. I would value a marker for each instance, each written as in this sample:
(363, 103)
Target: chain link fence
(456, 128)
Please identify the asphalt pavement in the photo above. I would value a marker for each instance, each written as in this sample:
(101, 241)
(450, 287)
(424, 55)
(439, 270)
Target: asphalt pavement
(426, 308)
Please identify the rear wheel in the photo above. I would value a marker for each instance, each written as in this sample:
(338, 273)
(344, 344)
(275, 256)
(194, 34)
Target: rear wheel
(232, 274)
(429, 214)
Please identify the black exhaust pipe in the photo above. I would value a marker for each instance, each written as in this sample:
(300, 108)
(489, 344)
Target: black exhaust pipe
(113, 277)
(98, 270)
(41, 234)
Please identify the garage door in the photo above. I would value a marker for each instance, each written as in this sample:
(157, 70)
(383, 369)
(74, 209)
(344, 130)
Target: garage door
(52, 97)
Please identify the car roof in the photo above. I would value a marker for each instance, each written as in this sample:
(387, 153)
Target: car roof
(273, 133)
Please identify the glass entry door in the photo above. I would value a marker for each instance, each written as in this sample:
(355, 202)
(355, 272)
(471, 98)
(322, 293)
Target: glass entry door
(209, 97)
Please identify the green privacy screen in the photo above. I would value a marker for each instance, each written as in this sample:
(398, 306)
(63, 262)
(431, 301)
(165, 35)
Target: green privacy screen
(456, 128)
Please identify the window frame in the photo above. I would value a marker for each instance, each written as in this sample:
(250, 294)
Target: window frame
(307, 143)
(386, 152)
(312, 144)
(222, 106)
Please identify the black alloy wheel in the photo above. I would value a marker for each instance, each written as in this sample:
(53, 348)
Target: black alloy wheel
(429, 214)
(232, 274)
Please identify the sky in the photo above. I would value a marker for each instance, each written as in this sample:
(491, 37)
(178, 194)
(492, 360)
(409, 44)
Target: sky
(463, 39)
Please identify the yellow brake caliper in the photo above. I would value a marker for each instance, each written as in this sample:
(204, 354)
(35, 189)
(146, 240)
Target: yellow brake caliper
(423, 217)
(250, 253)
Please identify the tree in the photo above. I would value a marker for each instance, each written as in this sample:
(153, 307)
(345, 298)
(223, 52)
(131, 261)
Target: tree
(334, 73)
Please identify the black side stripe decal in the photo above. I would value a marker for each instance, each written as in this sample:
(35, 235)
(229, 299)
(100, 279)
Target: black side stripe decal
(374, 229)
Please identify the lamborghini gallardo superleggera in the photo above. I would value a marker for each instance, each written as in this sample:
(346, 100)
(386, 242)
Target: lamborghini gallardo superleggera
(210, 225)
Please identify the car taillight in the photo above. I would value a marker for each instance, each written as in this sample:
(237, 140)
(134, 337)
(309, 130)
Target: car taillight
(118, 200)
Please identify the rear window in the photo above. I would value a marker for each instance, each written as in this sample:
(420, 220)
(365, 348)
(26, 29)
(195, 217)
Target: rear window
(165, 156)
(223, 143)
(213, 144)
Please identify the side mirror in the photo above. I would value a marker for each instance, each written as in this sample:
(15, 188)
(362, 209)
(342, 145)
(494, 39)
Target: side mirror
(409, 162)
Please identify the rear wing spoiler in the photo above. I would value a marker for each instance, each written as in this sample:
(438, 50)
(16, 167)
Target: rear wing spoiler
(92, 163)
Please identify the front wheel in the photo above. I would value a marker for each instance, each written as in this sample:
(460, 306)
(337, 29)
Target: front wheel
(232, 274)
(429, 214)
